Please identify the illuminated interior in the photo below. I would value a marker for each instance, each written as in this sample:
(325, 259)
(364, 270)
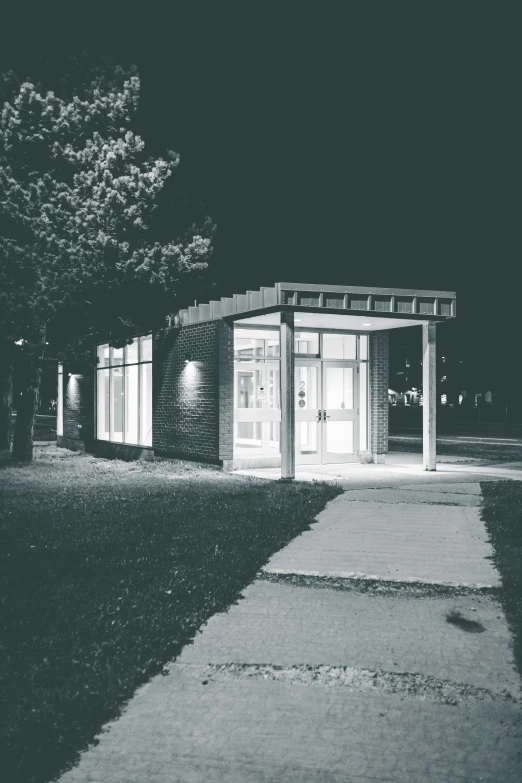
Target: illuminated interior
(331, 394)
(124, 393)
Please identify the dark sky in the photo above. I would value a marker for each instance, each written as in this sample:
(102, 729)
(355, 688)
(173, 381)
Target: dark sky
(372, 143)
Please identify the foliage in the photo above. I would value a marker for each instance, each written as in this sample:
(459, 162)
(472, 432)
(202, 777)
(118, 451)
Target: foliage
(110, 568)
(77, 193)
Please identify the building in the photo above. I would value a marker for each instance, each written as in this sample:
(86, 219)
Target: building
(291, 374)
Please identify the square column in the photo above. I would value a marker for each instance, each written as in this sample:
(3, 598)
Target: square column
(429, 396)
(287, 396)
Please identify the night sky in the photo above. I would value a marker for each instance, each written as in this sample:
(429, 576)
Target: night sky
(363, 144)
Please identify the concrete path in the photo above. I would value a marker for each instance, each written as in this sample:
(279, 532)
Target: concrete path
(320, 677)
(399, 467)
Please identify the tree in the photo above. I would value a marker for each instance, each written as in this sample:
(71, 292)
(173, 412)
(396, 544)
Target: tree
(76, 196)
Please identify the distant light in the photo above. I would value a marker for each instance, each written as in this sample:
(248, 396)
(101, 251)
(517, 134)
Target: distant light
(19, 342)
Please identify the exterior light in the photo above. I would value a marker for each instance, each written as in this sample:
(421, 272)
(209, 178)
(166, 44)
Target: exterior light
(188, 357)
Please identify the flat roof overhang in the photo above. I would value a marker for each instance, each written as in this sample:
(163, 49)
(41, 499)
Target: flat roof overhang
(317, 305)
(305, 318)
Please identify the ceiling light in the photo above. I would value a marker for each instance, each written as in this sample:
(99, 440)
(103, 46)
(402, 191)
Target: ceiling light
(366, 324)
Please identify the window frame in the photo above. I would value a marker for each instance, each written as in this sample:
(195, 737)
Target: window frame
(139, 363)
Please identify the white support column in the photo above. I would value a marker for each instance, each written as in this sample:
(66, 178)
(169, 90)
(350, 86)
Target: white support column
(429, 396)
(287, 396)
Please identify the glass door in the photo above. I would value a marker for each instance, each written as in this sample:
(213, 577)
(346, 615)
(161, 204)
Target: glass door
(339, 419)
(307, 412)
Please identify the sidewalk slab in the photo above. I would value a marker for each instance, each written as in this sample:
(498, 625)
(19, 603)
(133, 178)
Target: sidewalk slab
(400, 542)
(455, 487)
(177, 730)
(417, 496)
(286, 625)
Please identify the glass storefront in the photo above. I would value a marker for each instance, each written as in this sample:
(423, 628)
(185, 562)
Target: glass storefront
(331, 394)
(124, 393)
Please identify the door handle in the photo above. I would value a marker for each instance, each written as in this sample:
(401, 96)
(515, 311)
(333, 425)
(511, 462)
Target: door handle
(319, 415)
(325, 416)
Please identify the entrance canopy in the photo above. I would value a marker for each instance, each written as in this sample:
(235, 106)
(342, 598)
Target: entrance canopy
(363, 308)
(311, 368)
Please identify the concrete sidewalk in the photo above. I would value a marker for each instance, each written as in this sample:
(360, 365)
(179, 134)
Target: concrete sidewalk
(399, 467)
(316, 676)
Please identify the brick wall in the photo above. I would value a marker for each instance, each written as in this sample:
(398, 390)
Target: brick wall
(191, 417)
(78, 409)
(379, 372)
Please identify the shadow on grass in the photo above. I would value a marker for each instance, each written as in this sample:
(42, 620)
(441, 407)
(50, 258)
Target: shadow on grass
(470, 626)
(108, 570)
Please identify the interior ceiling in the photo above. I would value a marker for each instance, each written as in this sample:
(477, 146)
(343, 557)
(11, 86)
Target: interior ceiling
(369, 322)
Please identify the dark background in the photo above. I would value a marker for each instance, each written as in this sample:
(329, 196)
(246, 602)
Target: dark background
(363, 144)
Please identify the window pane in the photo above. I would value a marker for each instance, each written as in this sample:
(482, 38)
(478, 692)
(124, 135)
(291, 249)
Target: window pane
(103, 355)
(363, 345)
(307, 440)
(339, 346)
(339, 388)
(306, 342)
(363, 408)
(306, 388)
(103, 405)
(339, 437)
(131, 404)
(59, 404)
(274, 386)
(245, 347)
(131, 353)
(117, 356)
(117, 405)
(146, 348)
(146, 404)
(256, 342)
(250, 389)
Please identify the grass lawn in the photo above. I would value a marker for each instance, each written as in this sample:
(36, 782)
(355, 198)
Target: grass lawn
(489, 451)
(108, 569)
(502, 513)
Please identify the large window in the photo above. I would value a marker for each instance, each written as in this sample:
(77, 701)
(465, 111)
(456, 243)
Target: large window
(256, 392)
(124, 393)
(59, 404)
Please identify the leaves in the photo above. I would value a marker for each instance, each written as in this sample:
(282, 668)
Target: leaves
(77, 194)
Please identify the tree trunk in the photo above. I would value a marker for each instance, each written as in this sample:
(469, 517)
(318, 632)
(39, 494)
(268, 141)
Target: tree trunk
(27, 405)
(6, 397)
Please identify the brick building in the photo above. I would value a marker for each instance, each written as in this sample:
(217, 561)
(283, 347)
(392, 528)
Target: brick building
(291, 374)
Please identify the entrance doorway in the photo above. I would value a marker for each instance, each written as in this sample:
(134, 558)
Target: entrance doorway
(326, 411)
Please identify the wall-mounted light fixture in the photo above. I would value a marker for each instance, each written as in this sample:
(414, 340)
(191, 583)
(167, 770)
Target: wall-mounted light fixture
(188, 357)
